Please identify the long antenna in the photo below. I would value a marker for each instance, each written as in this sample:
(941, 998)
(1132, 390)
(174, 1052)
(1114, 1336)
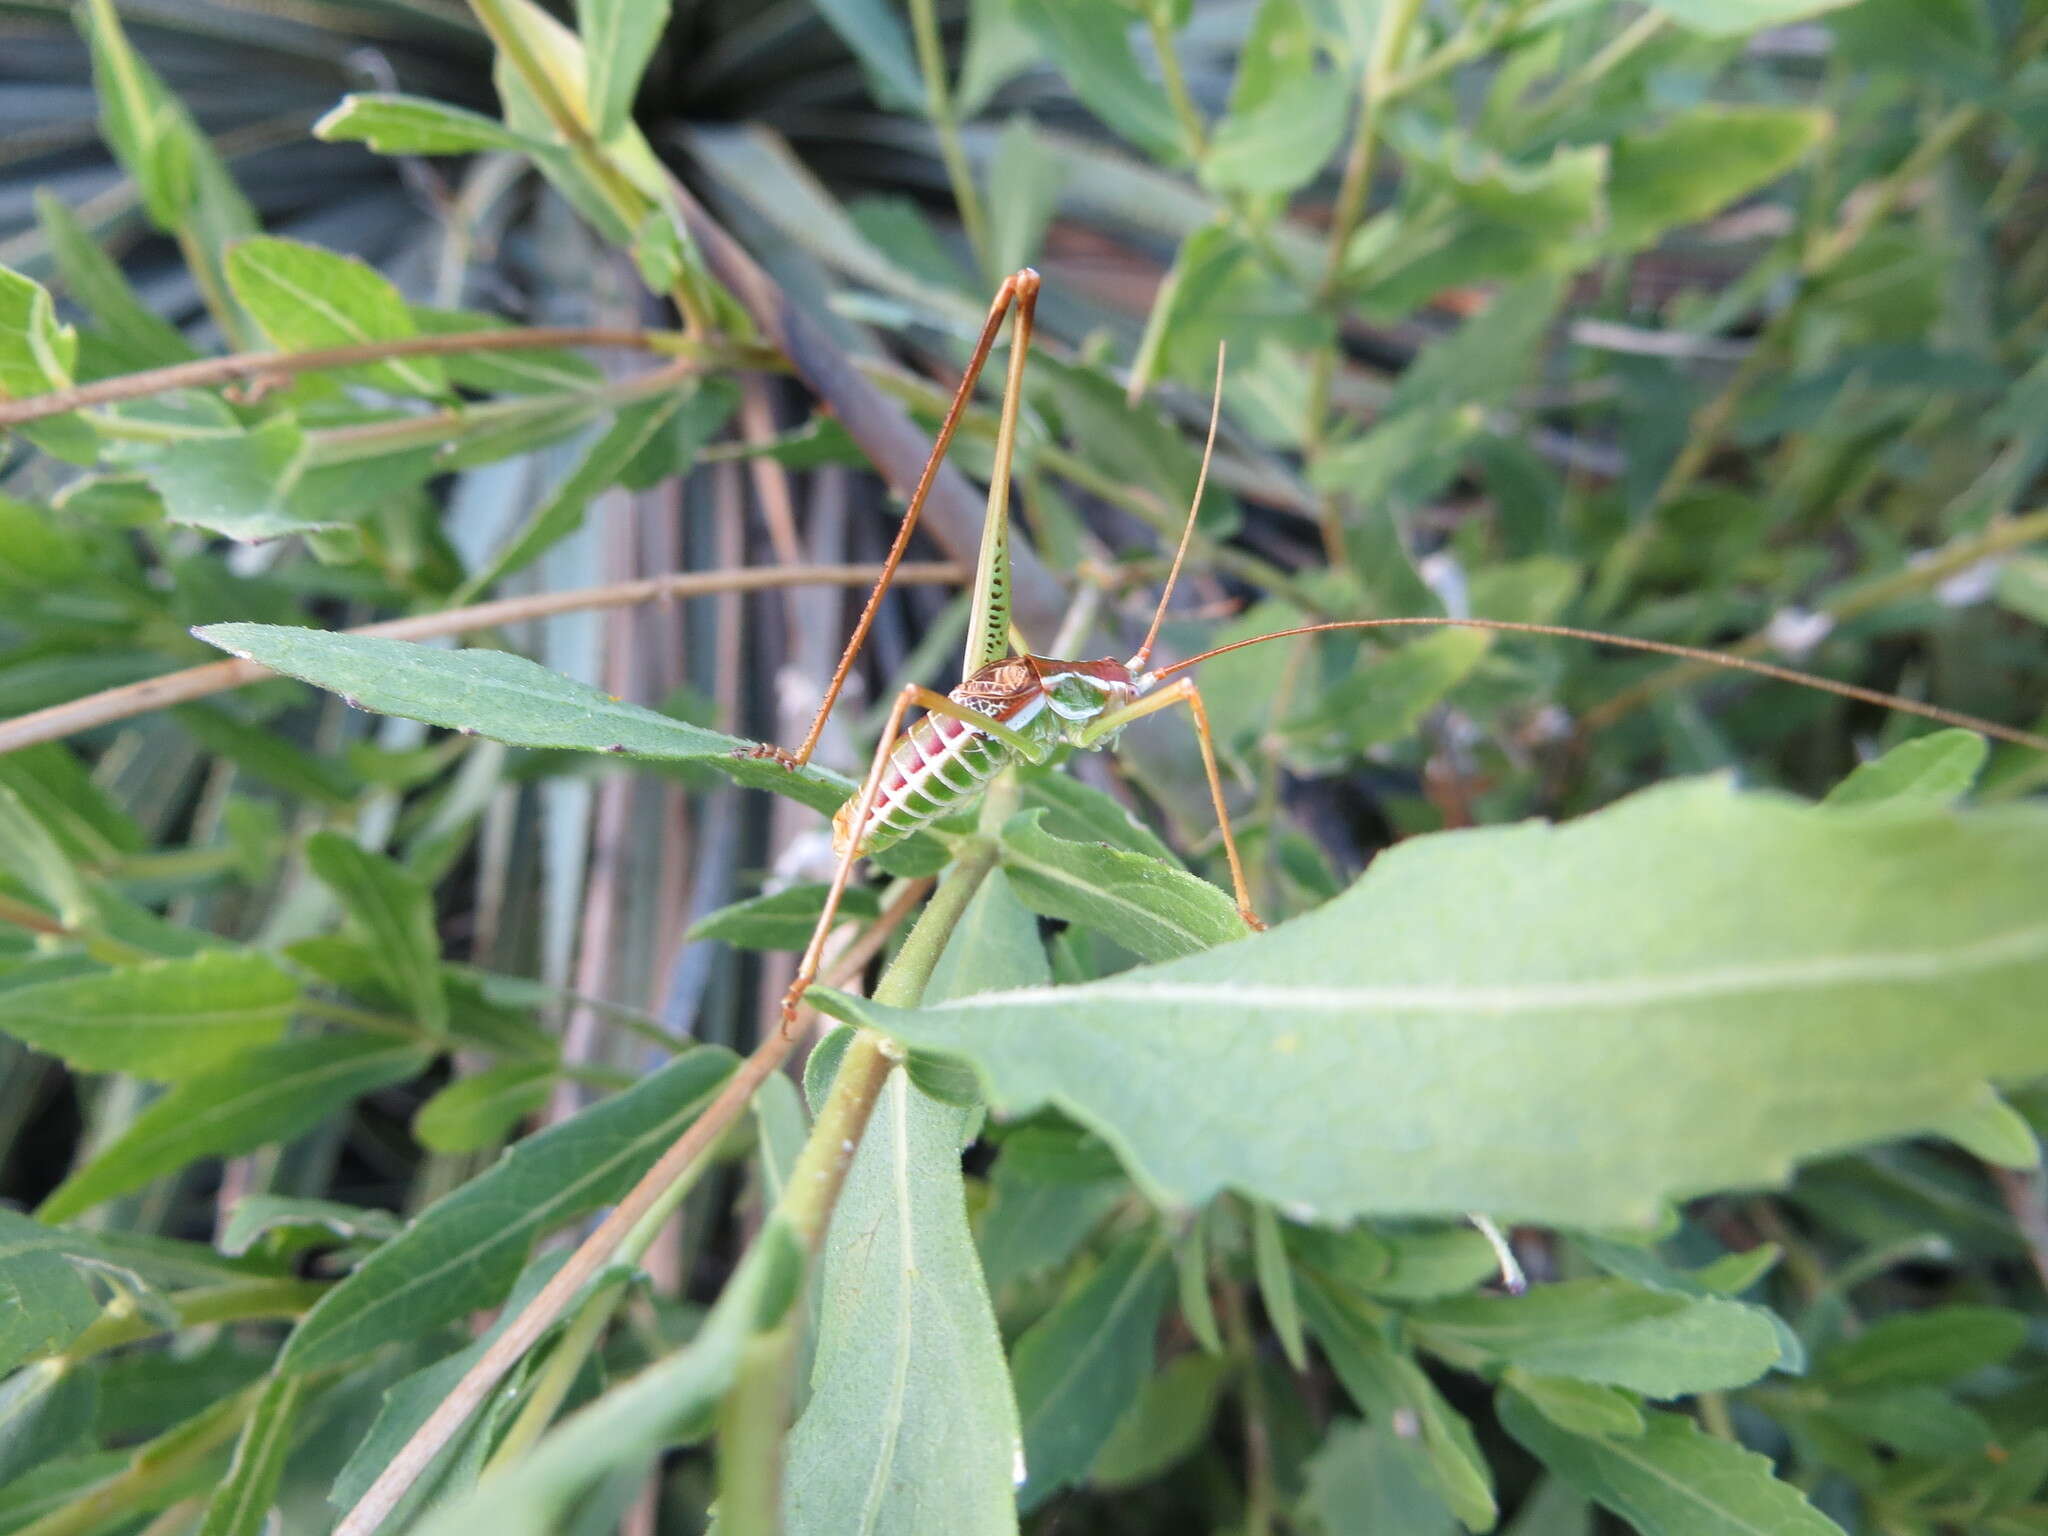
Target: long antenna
(1862, 695)
(1187, 532)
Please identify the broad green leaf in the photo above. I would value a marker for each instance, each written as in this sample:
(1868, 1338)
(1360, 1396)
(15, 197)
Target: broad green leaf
(874, 30)
(395, 915)
(44, 1303)
(1387, 699)
(307, 298)
(276, 1093)
(141, 1261)
(1561, 199)
(1082, 814)
(393, 124)
(1671, 1480)
(142, 338)
(1282, 144)
(1155, 910)
(782, 919)
(1369, 1478)
(1933, 1346)
(1081, 1366)
(1914, 1421)
(45, 1410)
(628, 1426)
(248, 486)
(1091, 46)
(539, 371)
(911, 1425)
(480, 1110)
(508, 699)
(1387, 1383)
(1698, 163)
(1739, 18)
(1581, 1407)
(167, 1019)
(1537, 1004)
(240, 1506)
(465, 1250)
(1608, 1332)
(1166, 1424)
(1032, 1228)
(1938, 769)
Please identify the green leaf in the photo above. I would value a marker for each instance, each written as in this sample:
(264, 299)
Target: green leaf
(1386, 700)
(1672, 1480)
(307, 298)
(1698, 163)
(911, 1425)
(1165, 1425)
(168, 1019)
(481, 1109)
(1280, 145)
(1938, 769)
(508, 699)
(246, 485)
(1690, 990)
(44, 1303)
(1153, 909)
(627, 1427)
(274, 1094)
(32, 855)
(139, 335)
(45, 1410)
(57, 790)
(535, 371)
(1389, 1385)
(1024, 181)
(1611, 1333)
(240, 1506)
(1370, 1478)
(465, 1250)
(1580, 1407)
(1993, 1130)
(1914, 1421)
(302, 1221)
(1933, 1346)
(1276, 1284)
(1079, 1368)
(780, 920)
(1561, 199)
(1082, 814)
(395, 916)
(1091, 46)
(618, 40)
(873, 29)
(1739, 18)
(36, 353)
(392, 124)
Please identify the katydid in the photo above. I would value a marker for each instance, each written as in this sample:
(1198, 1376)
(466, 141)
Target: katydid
(1024, 708)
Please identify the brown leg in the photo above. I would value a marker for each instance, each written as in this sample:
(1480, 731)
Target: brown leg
(1015, 288)
(1185, 692)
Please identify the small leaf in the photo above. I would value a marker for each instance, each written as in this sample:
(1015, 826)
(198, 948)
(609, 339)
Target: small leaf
(33, 856)
(1091, 46)
(1993, 1130)
(1672, 1480)
(1024, 183)
(45, 1411)
(44, 1303)
(1079, 1368)
(618, 40)
(782, 919)
(274, 1094)
(36, 353)
(306, 298)
(1938, 769)
(465, 1250)
(395, 913)
(142, 338)
(1739, 18)
(1611, 1333)
(306, 1220)
(1165, 1425)
(1385, 701)
(1700, 162)
(1580, 1407)
(538, 371)
(240, 1506)
(480, 1110)
(412, 125)
(1369, 1478)
(873, 29)
(168, 1019)
(1153, 909)
(508, 699)
(1934, 1346)
(1281, 145)
(244, 485)
(1276, 1284)
(1529, 996)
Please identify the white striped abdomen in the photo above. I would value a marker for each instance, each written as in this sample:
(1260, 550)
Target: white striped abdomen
(938, 767)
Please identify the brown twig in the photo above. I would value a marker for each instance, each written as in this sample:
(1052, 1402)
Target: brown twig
(204, 372)
(61, 720)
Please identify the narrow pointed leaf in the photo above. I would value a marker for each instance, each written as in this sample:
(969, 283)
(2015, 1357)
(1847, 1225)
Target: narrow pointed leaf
(305, 298)
(481, 1110)
(396, 915)
(241, 1505)
(1152, 908)
(1691, 990)
(169, 1019)
(392, 124)
(508, 699)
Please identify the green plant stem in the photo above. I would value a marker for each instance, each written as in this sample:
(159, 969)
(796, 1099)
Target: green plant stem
(154, 1466)
(238, 1302)
(938, 96)
(1259, 1496)
(755, 1419)
(1194, 133)
(219, 303)
(1622, 46)
(1861, 598)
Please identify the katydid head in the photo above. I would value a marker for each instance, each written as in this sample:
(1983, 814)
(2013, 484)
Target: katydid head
(1143, 654)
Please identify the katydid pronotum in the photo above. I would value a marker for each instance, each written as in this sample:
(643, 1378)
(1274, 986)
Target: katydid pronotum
(1020, 706)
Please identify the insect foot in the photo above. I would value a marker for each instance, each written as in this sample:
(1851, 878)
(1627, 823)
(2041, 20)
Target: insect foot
(1252, 920)
(782, 755)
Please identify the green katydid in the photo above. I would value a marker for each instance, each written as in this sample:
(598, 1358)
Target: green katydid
(1024, 707)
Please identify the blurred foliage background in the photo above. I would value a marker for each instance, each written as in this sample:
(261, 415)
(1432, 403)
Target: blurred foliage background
(1715, 321)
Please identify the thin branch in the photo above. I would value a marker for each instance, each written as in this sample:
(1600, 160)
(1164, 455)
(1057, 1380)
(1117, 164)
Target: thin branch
(61, 720)
(204, 372)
